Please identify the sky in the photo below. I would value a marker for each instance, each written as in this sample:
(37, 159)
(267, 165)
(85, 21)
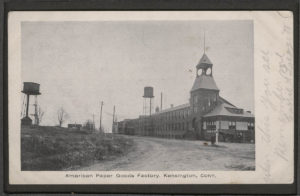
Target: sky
(80, 64)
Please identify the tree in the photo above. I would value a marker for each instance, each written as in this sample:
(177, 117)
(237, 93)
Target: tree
(61, 116)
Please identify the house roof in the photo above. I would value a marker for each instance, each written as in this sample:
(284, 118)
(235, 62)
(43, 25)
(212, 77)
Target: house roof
(204, 82)
(225, 109)
(183, 106)
(187, 105)
(225, 101)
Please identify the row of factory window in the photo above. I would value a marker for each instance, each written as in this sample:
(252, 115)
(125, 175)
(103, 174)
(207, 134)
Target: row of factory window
(165, 126)
(168, 127)
(208, 125)
(175, 115)
(211, 125)
(197, 108)
(173, 127)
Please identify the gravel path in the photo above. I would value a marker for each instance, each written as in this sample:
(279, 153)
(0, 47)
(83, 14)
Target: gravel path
(156, 154)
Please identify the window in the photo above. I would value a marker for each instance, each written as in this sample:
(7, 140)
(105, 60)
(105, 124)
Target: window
(195, 99)
(211, 125)
(199, 72)
(232, 124)
(208, 71)
(195, 109)
(235, 110)
(250, 126)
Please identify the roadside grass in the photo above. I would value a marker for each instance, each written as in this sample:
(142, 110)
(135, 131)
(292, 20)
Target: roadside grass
(55, 148)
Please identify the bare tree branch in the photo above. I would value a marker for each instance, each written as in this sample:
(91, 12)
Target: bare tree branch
(61, 116)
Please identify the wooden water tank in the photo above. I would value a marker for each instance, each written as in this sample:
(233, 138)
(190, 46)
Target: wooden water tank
(148, 92)
(31, 88)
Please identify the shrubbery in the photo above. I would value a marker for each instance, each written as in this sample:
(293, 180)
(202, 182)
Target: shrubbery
(53, 148)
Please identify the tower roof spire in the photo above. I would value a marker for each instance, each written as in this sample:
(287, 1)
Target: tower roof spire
(204, 61)
(204, 41)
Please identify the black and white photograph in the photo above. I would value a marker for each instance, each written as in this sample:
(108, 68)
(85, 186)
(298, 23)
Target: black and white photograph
(155, 96)
(161, 95)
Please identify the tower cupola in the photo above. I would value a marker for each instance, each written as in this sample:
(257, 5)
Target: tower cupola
(204, 78)
(204, 67)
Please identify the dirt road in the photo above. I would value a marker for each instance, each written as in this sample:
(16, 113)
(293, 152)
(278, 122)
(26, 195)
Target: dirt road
(156, 154)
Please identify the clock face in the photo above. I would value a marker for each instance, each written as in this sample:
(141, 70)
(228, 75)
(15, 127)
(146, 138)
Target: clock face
(208, 71)
(199, 72)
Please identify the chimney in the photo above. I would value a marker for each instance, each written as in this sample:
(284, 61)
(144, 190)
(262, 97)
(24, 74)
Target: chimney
(172, 105)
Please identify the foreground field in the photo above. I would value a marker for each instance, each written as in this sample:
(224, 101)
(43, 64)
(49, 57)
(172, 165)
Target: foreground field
(53, 148)
(155, 154)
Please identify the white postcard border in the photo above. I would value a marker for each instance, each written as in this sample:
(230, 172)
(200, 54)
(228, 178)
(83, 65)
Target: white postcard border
(274, 100)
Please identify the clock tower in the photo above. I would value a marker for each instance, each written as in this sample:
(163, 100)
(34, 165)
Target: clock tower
(204, 94)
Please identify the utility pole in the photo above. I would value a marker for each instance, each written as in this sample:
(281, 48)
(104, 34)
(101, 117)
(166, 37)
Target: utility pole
(93, 122)
(114, 111)
(100, 127)
(161, 99)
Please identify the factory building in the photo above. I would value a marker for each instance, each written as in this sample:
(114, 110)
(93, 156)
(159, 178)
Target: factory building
(206, 116)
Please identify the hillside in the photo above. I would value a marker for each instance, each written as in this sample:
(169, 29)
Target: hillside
(55, 148)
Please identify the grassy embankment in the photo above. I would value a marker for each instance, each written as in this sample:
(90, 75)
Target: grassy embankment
(53, 148)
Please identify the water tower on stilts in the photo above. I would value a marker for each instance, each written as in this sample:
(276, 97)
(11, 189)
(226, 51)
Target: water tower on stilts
(29, 88)
(148, 95)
